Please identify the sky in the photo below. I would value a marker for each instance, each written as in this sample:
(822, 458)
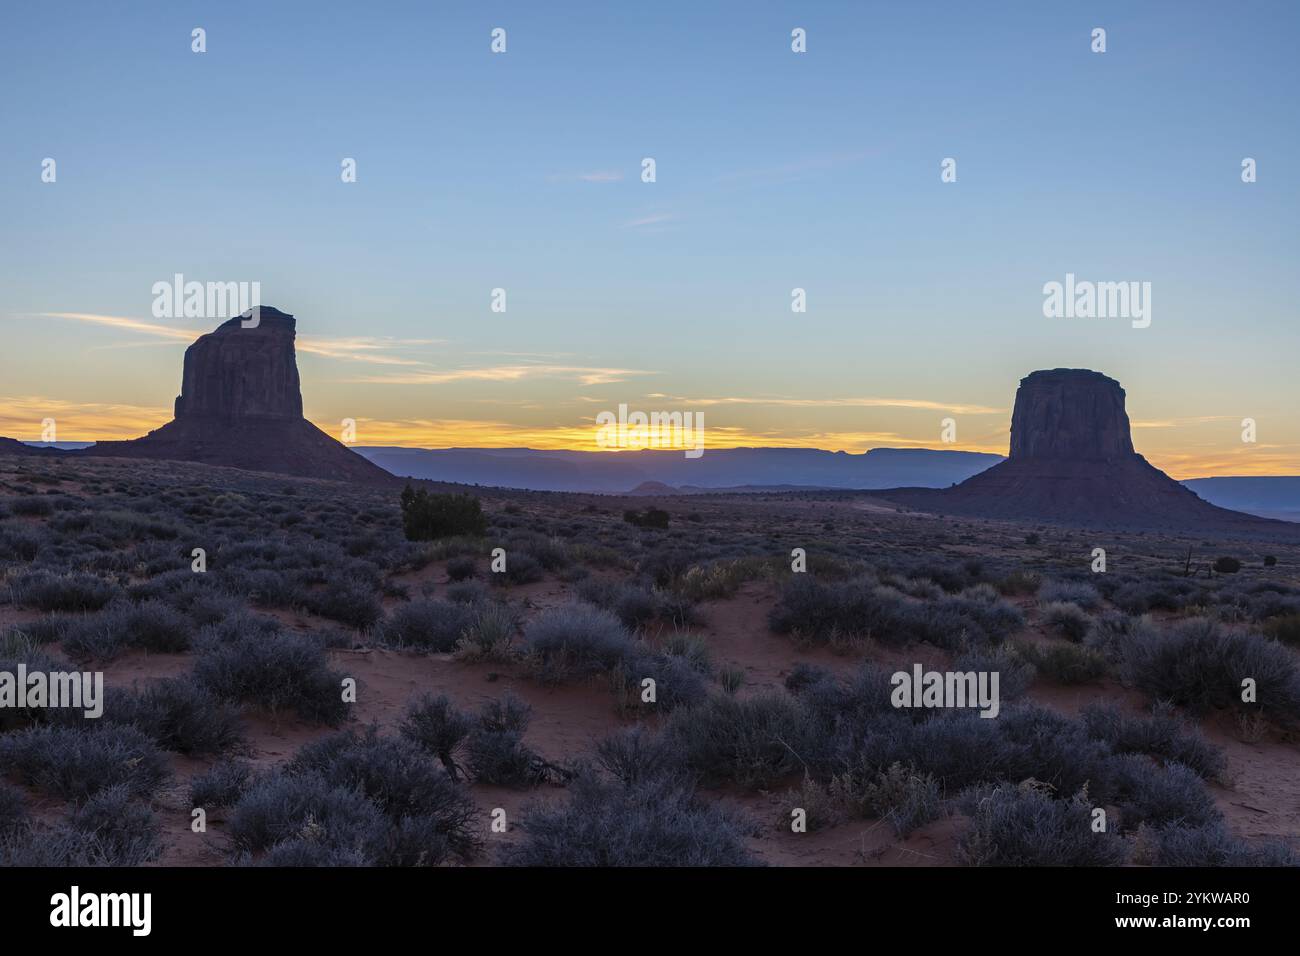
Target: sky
(774, 171)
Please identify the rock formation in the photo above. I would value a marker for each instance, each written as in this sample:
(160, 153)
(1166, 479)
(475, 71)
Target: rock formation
(1072, 461)
(1071, 414)
(241, 405)
(241, 373)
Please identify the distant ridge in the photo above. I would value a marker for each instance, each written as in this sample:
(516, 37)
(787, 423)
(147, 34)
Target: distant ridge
(721, 468)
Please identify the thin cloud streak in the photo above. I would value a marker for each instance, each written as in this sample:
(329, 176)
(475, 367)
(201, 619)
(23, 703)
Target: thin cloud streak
(651, 220)
(848, 403)
(506, 373)
(353, 349)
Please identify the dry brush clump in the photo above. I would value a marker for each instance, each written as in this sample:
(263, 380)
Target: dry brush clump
(359, 799)
(634, 807)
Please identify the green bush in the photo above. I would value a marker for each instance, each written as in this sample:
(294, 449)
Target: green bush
(427, 517)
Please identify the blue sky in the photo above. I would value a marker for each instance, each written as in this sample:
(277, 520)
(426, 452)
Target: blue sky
(774, 170)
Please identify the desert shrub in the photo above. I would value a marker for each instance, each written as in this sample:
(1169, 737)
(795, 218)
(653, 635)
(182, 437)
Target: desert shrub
(74, 763)
(677, 681)
(434, 724)
(15, 649)
(490, 633)
(1066, 663)
(655, 822)
(495, 749)
(692, 649)
(13, 809)
(150, 625)
(1052, 749)
(1015, 674)
(952, 576)
(430, 625)
(179, 714)
(126, 831)
(650, 518)
(347, 602)
(633, 605)
(1161, 734)
(1111, 630)
(467, 592)
(820, 807)
(1200, 665)
(578, 639)
(301, 852)
(1023, 826)
(1149, 793)
(1212, 844)
(427, 517)
(636, 754)
(1070, 620)
(1270, 561)
(1226, 565)
(550, 553)
(1285, 629)
(282, 808)
(521, 568)
(960, 749)
(1020, 582)
(288, 671)
(21, 543)
(732, 679)
(665, 566)
(47, 591)
(1070, 592)
(31, 506)
(823, 612)
(222, 784)
(906, 799)
(462, 568)
(1139, 597)
(405, 783)
(721, 579)
(753, 742)
(804, 675)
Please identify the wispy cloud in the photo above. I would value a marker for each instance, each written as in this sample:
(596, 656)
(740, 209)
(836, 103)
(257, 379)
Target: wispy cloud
(955, 407)
(368, 349)
(601, 176)
(653, 219)
(585, 375)
(1182, 422)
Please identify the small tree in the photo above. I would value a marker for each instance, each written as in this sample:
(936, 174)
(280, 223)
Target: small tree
(426, 517)
(1227, 565)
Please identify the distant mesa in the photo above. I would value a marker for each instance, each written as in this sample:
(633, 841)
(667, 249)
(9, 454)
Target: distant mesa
(11, 446)
(1072, 460)
(653, 488)
(241, 406)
